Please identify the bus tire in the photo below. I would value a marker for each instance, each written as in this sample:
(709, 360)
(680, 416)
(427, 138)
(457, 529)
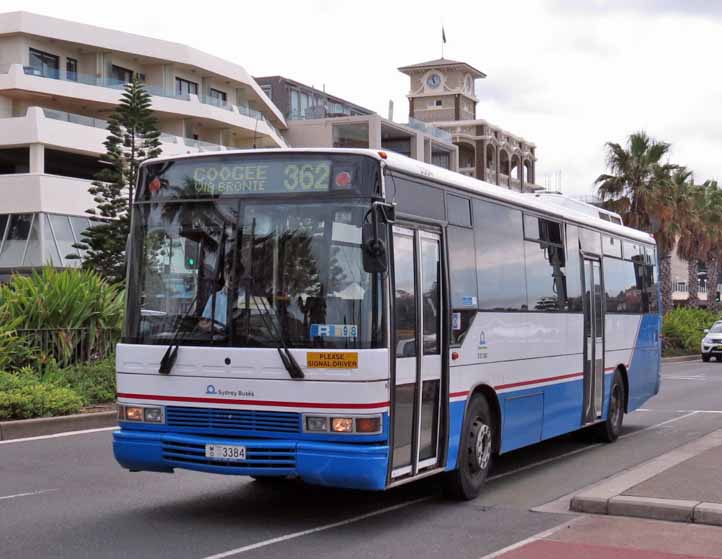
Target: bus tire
(610, 429)
(475, 452)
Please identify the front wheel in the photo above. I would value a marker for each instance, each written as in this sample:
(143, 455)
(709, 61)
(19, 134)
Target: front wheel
(475, 451)
(706, 357)
(610, 429)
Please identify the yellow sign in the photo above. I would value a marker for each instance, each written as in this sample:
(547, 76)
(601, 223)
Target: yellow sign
(331, 360)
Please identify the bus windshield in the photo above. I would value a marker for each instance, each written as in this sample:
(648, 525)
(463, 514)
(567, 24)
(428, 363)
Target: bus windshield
(255, 271)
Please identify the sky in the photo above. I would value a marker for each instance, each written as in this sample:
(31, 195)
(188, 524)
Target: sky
(567, 75)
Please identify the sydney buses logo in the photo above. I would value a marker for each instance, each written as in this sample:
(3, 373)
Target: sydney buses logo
(482, 352)
(212, 390)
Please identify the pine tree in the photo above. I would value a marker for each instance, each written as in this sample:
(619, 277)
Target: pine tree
(133, 137)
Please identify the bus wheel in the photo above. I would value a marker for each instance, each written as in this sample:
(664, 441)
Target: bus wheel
(610, 429)
(475, 451)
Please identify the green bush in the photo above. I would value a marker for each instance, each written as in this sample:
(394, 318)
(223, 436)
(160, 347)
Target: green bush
(683, 329)
(93, 382)
(15, 351)
(23, 396)
(68, 312)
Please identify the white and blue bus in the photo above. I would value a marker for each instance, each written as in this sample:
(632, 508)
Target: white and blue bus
(358, 319)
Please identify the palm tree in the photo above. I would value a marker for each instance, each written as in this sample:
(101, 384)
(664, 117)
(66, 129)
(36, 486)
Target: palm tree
(710, 252)
(693, 239)
(640, 188)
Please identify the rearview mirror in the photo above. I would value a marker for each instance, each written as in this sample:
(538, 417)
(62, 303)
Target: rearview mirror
(373, 249)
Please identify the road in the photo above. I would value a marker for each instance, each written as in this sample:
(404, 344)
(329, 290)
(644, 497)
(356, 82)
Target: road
(66, 497)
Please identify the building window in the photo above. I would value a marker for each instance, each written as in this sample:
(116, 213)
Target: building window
(121, 75)
(71, 69)
(267, 89)
(351, 136)
(73, 165)
(44, 64)
(217, 96)
(438, 103)
(14, 160)
(185, 87)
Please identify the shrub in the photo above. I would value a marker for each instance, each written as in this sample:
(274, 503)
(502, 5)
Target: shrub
(15, 351)
(68, 312)
(93, 382)
(683, 329)
(23, 396)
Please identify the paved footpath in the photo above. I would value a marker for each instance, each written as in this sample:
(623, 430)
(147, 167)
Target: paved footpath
(601, 537)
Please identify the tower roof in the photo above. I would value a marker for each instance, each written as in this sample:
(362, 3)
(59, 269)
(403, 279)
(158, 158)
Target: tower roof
(439, 63)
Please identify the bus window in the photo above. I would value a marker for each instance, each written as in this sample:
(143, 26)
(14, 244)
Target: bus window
(459, 210)
(611, 246)
(462, 267)
(623, 291)
(415, 198)
(574, 285)
(591, 241)
(499, 257)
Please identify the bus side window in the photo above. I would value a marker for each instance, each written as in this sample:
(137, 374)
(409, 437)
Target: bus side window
(574, 280)
(499, 257)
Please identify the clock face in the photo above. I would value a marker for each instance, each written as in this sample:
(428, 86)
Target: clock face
(433, 81)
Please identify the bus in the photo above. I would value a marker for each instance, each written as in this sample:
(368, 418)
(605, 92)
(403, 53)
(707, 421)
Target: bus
(358, 319)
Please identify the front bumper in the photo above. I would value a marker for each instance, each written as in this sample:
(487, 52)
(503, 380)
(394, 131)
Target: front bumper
(353, 466)
(711, 349)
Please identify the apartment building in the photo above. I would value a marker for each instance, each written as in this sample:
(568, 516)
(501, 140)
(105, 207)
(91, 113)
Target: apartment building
(442, 93)
(317, 119)
(59, 81)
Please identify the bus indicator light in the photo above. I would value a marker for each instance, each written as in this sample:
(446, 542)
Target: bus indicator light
(368, 424)
(343, 179)
(342, 424)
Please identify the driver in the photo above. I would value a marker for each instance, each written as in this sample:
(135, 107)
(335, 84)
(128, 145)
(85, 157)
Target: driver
(219, 317)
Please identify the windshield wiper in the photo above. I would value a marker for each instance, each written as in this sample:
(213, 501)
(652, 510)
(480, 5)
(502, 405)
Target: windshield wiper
(289, 362)
(171, 353)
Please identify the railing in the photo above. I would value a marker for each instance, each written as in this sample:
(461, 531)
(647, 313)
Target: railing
(216, 102)
(92, 79)
(438, 133)
(168, 138)
(71, 345)
(75, 118)
(681, 287)
(201, 145)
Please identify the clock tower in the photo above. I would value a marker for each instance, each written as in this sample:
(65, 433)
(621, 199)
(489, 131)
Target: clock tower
(442, 90)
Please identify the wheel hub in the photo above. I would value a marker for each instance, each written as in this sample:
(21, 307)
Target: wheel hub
(483, 446)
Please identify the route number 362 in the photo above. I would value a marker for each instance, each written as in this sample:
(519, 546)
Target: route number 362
(307, 176)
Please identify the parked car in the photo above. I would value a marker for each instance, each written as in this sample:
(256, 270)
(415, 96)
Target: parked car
(712, 342)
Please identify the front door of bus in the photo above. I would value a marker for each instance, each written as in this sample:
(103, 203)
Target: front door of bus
(417, 286)
(593, 341)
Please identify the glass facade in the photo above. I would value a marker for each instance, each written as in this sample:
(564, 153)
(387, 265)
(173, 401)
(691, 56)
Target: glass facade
(30, 240)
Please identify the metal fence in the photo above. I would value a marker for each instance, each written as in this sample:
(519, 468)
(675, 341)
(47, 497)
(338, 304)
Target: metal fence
(68, 346)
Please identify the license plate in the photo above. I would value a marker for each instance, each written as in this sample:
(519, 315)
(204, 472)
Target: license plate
(226, 452)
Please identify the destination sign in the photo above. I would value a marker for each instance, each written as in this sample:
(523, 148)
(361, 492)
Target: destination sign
(219, 178)
(266, 174)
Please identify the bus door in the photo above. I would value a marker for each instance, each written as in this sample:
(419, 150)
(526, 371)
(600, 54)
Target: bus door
(593, 341)
(416, 283)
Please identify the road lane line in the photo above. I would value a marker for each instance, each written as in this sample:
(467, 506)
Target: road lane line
(56, 435)
(530, 539)
(323, 528)
(28, 494)
(584, 448)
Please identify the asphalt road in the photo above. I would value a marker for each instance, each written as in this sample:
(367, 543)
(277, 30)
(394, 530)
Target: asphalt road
(66, 496)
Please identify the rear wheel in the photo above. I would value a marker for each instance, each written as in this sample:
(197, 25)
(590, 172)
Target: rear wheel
(706, 357)
(475, 451)
(718, 357)
(610, 429)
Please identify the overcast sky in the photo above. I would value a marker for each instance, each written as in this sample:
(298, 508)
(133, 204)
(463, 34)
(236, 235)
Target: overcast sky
(568, 75)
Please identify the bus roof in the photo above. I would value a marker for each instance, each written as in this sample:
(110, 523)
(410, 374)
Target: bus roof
(451, 178)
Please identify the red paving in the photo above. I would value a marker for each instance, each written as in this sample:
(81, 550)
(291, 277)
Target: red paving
(549, 549)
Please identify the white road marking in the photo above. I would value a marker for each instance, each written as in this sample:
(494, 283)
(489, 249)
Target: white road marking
(323, 528)
(682, 411)
(530, 539)
(27, 494)
(697, 377)
(56, 435)
(586, 448)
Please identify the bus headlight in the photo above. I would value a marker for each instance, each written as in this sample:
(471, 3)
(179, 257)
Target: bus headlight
(342, 424)
(141, 414)
(349, 424)
(316, 423)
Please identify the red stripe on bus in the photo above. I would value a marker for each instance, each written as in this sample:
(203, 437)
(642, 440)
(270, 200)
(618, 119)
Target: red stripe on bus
(253, 402)
(456, 394)
(537, 381)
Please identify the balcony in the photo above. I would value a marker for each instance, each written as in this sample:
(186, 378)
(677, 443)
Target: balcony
(106, 92)
(437, 133)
